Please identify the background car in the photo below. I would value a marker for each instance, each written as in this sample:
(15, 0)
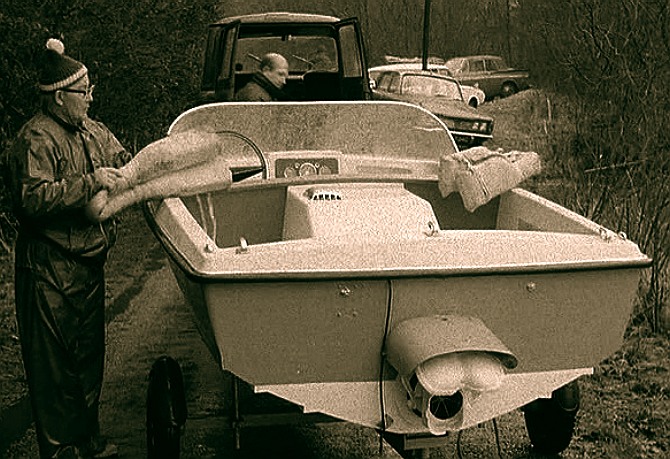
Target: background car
(471, 94)
(439, 94)
(489, 73)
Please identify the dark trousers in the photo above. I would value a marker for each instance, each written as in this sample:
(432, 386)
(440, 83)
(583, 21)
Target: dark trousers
(60, 314)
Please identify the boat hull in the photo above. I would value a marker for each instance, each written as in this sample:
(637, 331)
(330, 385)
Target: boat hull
(319, 343)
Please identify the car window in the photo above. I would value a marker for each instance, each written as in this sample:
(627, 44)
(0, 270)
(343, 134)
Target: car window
(298, 50)
(383, 81)
(214, 48)
(351, 65)
(493, 64)
(477, 66)
(420, 85)
(456, 65)
(324, 56)
(447, 89)
(394, 83)
(228, 47)
(416, 85)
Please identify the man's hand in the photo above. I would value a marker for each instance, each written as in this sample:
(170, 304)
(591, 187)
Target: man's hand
(111, 179)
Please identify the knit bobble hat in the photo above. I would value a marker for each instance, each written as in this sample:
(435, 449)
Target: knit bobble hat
(57, 70)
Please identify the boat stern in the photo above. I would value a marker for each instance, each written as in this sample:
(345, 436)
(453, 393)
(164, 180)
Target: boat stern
(444, 363)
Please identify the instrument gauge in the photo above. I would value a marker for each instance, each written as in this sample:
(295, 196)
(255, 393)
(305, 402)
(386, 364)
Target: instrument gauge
(289, 172)
(325, 170)
(307, 169)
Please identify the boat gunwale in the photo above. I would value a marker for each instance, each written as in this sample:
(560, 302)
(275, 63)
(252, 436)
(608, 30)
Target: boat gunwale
(302, 275)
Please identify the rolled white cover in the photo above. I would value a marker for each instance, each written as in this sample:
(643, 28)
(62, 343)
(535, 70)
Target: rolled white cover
(480, 174)
(181, 164)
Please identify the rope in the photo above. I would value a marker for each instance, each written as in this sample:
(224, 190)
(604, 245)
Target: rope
(497, 435)
(387, 322)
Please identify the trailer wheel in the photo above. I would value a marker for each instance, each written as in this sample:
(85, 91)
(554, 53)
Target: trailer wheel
(166, 409)
(551, 422)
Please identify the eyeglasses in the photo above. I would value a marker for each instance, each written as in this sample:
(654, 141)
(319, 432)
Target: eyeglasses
(87, 92)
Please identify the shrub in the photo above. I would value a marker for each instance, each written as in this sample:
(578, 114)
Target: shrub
(605, 179)
(144, 58)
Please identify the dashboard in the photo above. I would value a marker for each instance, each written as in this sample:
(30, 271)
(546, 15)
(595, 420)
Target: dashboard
(304, 163)
(304, 167)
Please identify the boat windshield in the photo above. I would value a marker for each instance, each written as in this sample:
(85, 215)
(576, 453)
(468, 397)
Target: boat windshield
(365, 138)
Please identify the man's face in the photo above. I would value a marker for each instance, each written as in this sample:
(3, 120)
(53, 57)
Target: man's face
(278, 75)
(76, 99)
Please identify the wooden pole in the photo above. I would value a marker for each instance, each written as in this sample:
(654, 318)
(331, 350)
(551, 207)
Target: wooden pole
(426, 34)
(509, 39)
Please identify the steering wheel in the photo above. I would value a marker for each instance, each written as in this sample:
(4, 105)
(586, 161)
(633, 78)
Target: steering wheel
(241, 173)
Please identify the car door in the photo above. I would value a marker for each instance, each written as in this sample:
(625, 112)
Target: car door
(355, 84)
(495, 79)
(224, 52)
(478, 74)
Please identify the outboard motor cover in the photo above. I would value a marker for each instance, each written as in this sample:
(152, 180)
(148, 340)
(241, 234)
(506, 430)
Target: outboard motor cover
(444, 363)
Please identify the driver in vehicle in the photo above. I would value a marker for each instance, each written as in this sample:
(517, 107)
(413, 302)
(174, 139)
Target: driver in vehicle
(266, 85)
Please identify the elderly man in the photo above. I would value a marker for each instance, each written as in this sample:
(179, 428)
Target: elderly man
(59, 161)
(266, 84)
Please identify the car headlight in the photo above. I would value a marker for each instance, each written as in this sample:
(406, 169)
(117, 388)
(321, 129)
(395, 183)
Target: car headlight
(474, 126)
(466, 125)
(484, 127)
(460, 125)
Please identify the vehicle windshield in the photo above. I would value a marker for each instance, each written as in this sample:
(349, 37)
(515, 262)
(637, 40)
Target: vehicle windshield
(318, 53)
(454, 65)
(421, 85)
(366, 138)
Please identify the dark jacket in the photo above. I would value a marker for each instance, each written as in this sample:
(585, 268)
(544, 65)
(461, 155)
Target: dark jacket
(259, 89)
(51, 179)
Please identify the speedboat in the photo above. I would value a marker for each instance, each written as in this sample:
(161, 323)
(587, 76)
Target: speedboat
(344, 267)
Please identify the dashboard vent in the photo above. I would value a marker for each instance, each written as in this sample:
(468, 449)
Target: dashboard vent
(323, 195)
